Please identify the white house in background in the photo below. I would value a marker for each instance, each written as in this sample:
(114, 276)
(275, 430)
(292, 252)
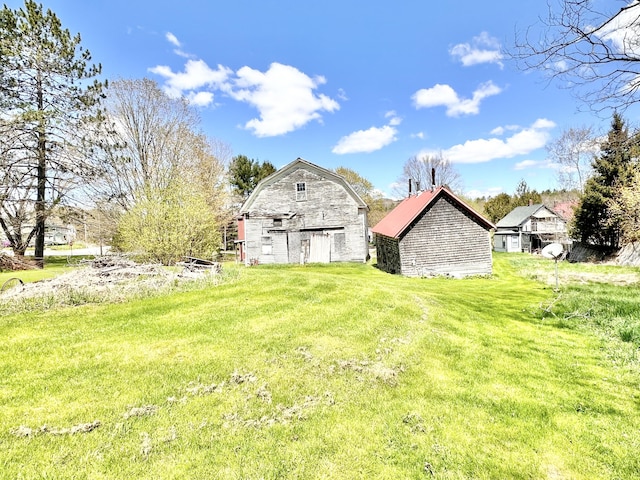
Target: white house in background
(529, 228)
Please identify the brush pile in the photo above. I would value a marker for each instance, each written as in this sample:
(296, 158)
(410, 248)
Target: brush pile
(10, 263)
(110, 278)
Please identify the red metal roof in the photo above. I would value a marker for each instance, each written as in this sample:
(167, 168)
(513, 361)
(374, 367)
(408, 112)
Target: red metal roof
(398, 219)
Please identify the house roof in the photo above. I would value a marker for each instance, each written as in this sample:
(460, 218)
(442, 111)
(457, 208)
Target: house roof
(400, 218)
(296, 164)
(565, 209)
(519, 215)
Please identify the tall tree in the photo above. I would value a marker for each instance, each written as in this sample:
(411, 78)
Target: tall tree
(593, 221)
(498, 207)
(378, 206)
(245, 173)
(49, 105)
(625, 208)
(159, 162)
(573, 151)
(151, 135)
(420, 169)
(525, 196)
(590, 48)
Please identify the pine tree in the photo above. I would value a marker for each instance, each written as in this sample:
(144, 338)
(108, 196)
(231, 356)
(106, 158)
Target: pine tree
(246, 173)
(48, 102)
(593, 220)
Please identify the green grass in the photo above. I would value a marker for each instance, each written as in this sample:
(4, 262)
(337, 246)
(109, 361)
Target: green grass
(328, 371)
(53, 266)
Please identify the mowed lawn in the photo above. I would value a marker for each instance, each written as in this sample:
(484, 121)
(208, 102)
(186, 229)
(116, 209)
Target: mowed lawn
(327, 372)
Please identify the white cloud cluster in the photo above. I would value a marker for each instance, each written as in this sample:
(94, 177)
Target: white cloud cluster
(196, 75)
(482, 49)
(622, 29)
(522, 142)
(283, 95)
(367, 141)
(444, 95)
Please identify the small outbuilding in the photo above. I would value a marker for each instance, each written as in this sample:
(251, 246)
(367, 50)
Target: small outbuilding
(303, 213)
(434, 233)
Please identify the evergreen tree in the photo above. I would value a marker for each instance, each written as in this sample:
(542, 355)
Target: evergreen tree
(525, 196)
(49, 103)
(245, 173)
(498, 207)
(593, 220)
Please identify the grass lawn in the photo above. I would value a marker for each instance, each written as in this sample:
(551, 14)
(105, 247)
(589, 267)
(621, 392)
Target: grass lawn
(330, 371)
(53, 266)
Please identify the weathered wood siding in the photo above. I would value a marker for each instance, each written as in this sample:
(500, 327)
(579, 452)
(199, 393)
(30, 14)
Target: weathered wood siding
(445, 240)
(277, 217)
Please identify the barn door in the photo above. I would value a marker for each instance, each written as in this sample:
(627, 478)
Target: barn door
(320, 248)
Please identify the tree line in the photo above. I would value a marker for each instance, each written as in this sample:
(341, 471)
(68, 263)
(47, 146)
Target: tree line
(125, 155)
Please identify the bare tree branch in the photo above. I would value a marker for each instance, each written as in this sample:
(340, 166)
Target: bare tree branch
(593, 53)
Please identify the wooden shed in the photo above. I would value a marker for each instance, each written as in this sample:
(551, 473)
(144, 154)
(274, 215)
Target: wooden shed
(434, 233)
(303, 213)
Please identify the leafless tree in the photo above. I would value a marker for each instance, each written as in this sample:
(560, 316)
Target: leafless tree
(154, 140)
(419, 171)
(154, 145)
(574, 151)
(594, 53)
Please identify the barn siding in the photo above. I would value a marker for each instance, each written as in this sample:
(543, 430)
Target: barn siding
(328, 209)
(445, 240)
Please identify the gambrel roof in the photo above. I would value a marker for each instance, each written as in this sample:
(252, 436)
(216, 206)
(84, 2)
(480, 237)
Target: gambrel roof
(400, 218)
(291, 167)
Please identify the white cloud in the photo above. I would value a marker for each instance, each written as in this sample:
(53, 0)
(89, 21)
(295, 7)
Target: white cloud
(526, 164)
(622, 30)
(283, 95)
(419, 135)
(488, 192)
(366, 141)
(196, 75)
(444, 95)
(200, 99)
(501, 130)
(522, 142)
(536, 164)
(171, 38)
(394, 119)
(481, 49)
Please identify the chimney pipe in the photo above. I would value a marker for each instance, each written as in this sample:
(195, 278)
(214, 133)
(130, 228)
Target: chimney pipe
(433, 179)
(417, 187)
(409, 187)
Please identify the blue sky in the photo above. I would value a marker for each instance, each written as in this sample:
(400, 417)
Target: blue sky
(359, 84)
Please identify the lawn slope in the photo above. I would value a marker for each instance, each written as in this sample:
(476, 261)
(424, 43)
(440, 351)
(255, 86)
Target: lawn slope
(327, 371)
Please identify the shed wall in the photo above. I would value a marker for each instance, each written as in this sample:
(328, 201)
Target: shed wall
(445, 240)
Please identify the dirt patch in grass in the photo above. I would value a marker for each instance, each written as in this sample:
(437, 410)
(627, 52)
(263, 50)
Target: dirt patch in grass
(23, 431)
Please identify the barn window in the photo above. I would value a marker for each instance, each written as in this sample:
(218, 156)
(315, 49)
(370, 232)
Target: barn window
(266, 246)
(301, 191)
(277, 222)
